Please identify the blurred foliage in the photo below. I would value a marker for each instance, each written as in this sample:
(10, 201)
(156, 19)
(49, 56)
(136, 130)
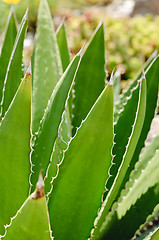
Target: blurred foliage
(55, 6)
(21, 8)
(129, 42)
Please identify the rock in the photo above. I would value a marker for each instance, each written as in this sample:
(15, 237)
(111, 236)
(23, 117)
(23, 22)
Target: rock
(146, 6)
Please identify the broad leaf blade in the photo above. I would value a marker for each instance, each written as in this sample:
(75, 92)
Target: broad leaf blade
(32, 219)
(60, 146)
(14, 72)
(8, 44)
(78, 188)
(31, 222)
(90, 79)
(47, 66)
(143, 199)
(152, 93)
(44, 142)
(151, 103)
(63, 47)
(139, 194)
(125, 121)
(140, 186)
(119, 106)
(14, 158)
(101, 227)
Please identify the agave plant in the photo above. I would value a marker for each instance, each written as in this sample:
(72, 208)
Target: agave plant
(70, 162)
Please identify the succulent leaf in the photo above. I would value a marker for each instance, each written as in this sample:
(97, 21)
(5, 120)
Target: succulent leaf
(88, 80)
(61, 144)
(48, 131)
(127, 215)
(101, 224)
(15, 149)
(32, 219)
(119, 221)
(98, 184)
(126, 120)
(123, 99)
(47, 65)
(152, 81)
(63, 47)
(78, 188)
(14, 71)
(8, 45)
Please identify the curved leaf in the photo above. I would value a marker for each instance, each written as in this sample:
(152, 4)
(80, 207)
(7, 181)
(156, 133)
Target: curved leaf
(14, 72)
(48, 131)
(90, 79)
(47, 65)
(15, 149)
(32, 219)
(101, 226)
(8, 44)
(78, 188)
(63, 47)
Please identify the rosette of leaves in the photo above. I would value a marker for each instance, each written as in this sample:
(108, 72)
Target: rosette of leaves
(57, 124)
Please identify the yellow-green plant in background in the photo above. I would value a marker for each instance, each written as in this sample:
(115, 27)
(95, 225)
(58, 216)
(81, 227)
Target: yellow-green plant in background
(59, 123)
(129, 41)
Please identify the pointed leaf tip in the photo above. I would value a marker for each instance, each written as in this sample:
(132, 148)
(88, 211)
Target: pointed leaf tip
(111, 81)
(81, 51)
(39, 191)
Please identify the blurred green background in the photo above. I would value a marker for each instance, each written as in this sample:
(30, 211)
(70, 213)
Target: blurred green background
(55, 6)
(129, 41)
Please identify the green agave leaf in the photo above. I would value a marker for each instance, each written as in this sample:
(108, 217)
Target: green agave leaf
(60, 146)
(121, 136)
(140, 202)
(139, 187)
(151, 103)
(101, 225)
(66, 131)
(78, 188)
(145, 157)
(63, 47)
(44, 142)
(89, 79)
(14, 72)
(128, 214)
(7, 49)
(121, 139)
(140, 168)
(32, 220)
(47, 65)
(14, 158)
(118, 107)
